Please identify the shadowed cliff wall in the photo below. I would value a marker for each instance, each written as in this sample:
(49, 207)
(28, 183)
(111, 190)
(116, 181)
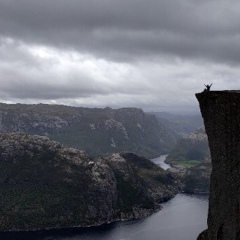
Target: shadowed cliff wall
(221, 114)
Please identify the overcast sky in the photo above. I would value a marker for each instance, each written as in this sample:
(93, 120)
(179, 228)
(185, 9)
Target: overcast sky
(153, 54)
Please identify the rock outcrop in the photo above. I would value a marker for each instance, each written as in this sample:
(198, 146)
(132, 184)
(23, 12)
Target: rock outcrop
(96, 131)
(221, 114)
(44, 185)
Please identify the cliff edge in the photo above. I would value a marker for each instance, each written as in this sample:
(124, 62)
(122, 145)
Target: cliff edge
(221, 114)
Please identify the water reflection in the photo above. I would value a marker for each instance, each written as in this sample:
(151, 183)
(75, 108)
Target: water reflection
(161, 162)
(182, 218)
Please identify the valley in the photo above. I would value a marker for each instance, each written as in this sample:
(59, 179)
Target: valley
(45, 160)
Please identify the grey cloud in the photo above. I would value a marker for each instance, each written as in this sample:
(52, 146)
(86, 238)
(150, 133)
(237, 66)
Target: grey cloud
(128, 30)
(30, 89)
(151, 54)
(25, 76)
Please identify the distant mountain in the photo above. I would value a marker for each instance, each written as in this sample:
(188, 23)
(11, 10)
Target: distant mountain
(44, 185)
(193, 148)
(180, 124)
(96, 131)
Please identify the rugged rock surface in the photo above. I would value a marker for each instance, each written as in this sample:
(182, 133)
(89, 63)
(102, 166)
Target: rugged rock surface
(44, 185)
(96, 131)
(221, 113)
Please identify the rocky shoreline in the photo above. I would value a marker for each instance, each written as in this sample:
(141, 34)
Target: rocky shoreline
(46, 186)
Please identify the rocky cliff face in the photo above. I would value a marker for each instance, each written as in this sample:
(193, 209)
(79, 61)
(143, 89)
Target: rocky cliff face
(96, 131)
(44, 185)
(221, 114)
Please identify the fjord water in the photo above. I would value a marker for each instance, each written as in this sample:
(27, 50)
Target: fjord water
(161, 162)
(181, 218)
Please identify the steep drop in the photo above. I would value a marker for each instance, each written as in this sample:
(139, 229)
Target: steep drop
(221, 114)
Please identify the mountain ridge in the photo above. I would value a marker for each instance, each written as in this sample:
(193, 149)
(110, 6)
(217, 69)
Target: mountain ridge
(96, 131)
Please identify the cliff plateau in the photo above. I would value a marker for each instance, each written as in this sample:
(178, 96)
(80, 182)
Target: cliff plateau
(44, 185)
(221, 114)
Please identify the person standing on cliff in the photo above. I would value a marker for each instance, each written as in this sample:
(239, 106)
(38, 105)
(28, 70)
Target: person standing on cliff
(208, 87)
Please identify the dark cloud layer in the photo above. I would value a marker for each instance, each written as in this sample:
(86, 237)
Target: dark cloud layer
(126, 29)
